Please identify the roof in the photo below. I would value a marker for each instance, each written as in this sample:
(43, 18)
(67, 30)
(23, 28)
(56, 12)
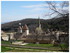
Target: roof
(20, 27)
(25, 27)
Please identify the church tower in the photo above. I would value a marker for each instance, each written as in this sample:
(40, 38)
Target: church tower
(26, 29)
(39, 29)
(20, 28)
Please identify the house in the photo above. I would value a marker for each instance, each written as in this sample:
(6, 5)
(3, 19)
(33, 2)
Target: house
(25, 29)
(4, 36)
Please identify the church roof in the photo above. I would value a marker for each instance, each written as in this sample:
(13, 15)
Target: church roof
(25, 27)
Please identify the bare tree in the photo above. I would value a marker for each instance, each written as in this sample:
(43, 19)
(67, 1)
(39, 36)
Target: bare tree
(59, 8)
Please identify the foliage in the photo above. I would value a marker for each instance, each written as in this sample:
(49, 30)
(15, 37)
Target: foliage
(64, 45)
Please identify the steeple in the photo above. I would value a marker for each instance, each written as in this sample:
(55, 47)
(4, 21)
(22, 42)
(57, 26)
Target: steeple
(39, 29)
(39, 25)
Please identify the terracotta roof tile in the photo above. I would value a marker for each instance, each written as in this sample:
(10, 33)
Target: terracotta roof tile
(25, 27)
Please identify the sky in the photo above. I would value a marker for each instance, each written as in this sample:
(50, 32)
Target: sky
(18, 10)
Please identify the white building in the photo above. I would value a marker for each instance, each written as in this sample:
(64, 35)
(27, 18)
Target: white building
(23, 29)
(4, 36)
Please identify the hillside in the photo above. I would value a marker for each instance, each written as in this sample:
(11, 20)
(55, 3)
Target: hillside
(61, 23)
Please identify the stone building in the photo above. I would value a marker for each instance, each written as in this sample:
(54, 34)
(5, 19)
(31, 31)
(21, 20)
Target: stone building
(4, 36)
(39, 30)
(23, 29)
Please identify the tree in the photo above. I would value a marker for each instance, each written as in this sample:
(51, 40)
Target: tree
(60, 8)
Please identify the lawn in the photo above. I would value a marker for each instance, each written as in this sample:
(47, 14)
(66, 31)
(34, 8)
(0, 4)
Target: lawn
(40, 45)
(14, 49)
(5, 42)
(50, 47)
(8, 42)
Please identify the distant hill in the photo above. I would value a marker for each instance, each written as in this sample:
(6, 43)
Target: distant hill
(61, 23)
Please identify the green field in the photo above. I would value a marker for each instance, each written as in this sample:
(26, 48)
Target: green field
(40, 45)
(14, 49)
(50, 47)
(5, 42)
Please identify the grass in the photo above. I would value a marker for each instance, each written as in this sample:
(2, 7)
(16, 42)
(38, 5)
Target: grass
(49, 46)
(64, 45)
(44, 46)
(40, 45)
(14, 49)
(3, 49)
(5, 42)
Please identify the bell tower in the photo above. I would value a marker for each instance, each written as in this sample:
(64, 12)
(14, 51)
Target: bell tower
(39, 29)
(20, 28)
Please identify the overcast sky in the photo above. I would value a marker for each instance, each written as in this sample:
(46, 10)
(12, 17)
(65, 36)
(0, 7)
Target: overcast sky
(17, 10)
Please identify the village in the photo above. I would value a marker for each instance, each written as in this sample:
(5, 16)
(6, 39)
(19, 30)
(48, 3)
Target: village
(35, 26)
(24, 37)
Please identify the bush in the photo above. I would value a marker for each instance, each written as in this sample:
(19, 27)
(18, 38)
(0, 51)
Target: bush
(64, 45)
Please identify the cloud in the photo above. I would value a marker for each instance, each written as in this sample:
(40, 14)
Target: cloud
(39, 9)
(34, 6)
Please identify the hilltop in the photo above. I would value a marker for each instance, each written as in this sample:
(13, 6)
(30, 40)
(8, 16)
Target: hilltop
(61, 23)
